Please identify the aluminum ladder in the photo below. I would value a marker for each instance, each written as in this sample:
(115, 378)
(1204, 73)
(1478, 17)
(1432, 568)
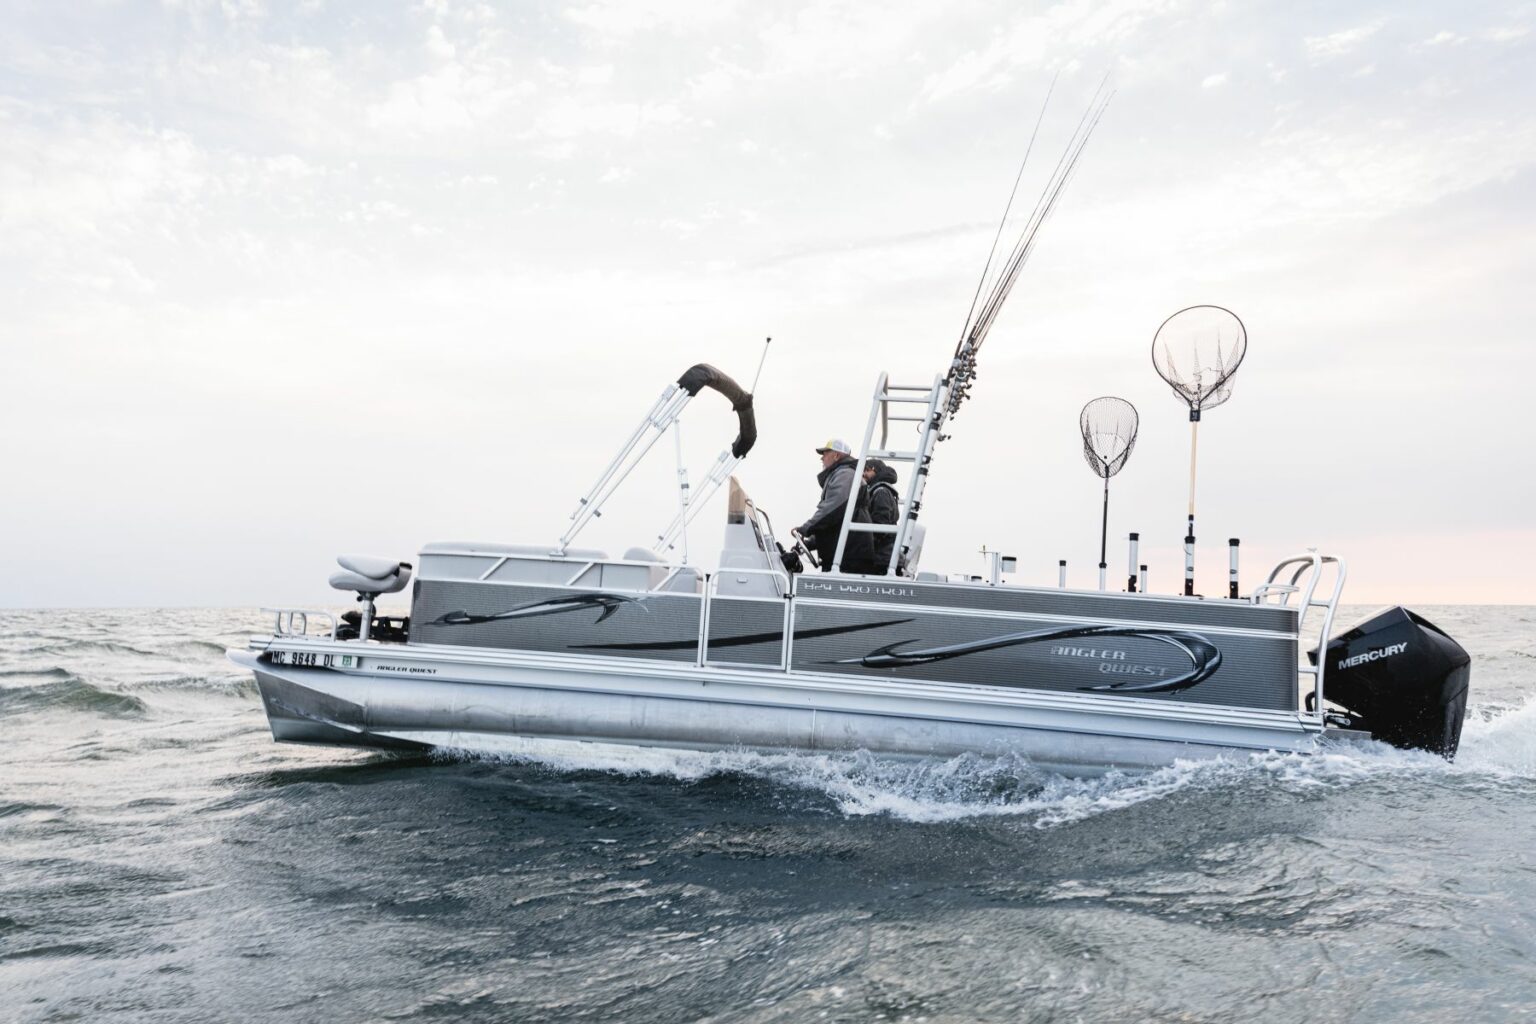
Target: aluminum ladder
(930, 397)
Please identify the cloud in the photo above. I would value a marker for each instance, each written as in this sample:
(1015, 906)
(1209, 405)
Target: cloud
(438, 45)
(1444, 38)
(620, 19)
(1340, 43)
(453, 98)
(1507, 34)
(85, 177)
(569, 117)
(1212, 81)
(1036, 41)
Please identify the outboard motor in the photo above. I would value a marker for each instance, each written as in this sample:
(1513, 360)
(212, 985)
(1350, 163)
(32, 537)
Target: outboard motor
(1402, 679)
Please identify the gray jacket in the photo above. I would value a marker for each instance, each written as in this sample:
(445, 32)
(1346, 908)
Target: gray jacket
(836, 484)
(838, 487)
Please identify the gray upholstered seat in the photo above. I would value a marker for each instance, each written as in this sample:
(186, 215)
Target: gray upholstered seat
(369, 566)
(363, 574)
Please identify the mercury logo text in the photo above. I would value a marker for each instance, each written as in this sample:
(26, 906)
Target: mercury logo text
(1376, 655)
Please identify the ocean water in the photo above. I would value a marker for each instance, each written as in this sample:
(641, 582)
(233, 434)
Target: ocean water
(162, 860)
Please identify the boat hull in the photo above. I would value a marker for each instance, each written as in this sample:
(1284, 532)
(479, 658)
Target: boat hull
(420, 697)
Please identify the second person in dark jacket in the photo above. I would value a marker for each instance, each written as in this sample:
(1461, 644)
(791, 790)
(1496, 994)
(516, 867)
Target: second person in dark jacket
(884, 507)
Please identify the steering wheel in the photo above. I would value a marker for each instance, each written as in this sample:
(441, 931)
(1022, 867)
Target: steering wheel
(805, 552)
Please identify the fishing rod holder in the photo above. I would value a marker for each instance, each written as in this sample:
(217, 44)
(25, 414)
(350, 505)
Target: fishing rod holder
(997, 564)
(1189, 559)
(1130, 583)
(1232, 568)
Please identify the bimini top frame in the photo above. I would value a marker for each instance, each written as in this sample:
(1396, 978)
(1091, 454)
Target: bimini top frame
(663, 415)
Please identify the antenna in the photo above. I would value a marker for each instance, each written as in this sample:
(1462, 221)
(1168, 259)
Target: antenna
(760, 361)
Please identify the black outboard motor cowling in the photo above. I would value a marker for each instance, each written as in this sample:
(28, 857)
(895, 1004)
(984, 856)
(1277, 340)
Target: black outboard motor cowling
(1401, 678)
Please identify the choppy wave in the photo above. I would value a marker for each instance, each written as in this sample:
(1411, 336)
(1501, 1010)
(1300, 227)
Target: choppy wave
(78, 647)
(65, 691)
(1498, 743)
(199, 648)
(230, 685)
(50, 672)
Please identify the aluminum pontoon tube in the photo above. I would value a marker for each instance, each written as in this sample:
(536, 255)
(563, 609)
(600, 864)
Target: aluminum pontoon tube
(467, 704)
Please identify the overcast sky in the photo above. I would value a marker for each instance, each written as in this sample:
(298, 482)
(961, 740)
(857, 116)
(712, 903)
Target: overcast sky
(287, 280)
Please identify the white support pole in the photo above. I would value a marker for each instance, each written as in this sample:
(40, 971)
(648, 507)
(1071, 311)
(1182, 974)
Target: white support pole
(682, 485)
(719, 473)
(1130, 583)
(662, 415)
(1061, 574)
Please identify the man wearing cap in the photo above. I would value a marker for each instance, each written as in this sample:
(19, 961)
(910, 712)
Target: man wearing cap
(821, 530)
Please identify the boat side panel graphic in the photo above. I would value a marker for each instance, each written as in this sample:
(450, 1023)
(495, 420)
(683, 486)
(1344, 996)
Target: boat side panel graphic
(1177, 661)
(1144, 661)
(1204, 656)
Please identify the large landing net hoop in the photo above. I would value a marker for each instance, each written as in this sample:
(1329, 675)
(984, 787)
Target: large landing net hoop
(1197, 350)
(1108, 426)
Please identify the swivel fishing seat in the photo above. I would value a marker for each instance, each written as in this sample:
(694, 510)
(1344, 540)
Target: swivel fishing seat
(370, 577)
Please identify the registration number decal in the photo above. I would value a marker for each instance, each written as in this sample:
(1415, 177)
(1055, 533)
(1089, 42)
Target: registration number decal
(315, 659)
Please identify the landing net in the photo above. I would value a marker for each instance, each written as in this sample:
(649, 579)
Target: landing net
(1197, 350)
(1109, 433)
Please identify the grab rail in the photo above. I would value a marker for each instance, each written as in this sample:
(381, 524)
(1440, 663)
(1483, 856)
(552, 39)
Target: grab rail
(295, 621)
(712, 584)
(1309, 565)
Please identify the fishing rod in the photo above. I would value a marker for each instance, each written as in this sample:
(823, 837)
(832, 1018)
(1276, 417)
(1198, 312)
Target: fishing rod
(979, 321)
(945, 396)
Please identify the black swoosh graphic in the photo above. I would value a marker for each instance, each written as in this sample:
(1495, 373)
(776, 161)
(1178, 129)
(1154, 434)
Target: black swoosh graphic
(1204, 656)
(737, 641)
(609, 603)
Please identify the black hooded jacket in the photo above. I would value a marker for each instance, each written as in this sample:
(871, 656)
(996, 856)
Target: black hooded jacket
(826, 523)
(884, 507)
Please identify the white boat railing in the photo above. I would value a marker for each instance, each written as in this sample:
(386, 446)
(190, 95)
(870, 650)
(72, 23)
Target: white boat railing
(786, 598)
(295, 621)
(1304, 580)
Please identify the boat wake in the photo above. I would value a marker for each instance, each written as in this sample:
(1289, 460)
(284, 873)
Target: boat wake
(1498, 747)
(1500, 740)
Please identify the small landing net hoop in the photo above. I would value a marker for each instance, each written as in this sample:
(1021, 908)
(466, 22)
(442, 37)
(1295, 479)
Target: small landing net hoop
(1108, 426)
(1197, 350)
